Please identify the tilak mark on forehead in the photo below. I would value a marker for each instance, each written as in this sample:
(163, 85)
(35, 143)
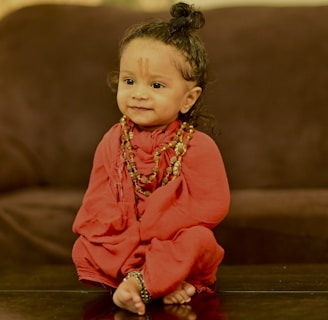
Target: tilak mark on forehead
(143, 66)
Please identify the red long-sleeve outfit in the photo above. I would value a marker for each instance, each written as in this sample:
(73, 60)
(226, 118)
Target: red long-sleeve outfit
(168, 234)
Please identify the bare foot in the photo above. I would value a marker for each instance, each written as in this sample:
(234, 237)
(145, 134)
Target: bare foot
(181, 295)
(182, 312)
(127, 297)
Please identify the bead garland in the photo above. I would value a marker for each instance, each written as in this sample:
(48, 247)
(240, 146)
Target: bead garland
(179, 144)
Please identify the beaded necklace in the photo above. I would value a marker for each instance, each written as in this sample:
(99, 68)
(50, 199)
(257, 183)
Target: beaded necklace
(179, 144)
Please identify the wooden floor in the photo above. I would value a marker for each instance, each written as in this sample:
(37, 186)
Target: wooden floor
(244, 292)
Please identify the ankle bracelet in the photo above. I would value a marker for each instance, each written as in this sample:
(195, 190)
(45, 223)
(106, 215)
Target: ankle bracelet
(145, 295)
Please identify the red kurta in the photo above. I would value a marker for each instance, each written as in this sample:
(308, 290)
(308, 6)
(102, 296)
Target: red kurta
(168, 234)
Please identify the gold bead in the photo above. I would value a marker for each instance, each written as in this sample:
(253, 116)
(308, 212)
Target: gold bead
(156, 169)
(169, 170)
(177, 168)
(173, 159)
(144, 180)
(152, 177)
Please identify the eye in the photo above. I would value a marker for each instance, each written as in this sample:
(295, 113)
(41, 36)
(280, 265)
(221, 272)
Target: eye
(157, 85)
(129, 82)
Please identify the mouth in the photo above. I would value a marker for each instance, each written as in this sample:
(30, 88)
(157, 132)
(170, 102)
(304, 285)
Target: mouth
(139, 108)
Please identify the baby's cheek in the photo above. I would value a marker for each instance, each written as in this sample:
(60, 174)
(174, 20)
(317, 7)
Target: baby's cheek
(121, 97)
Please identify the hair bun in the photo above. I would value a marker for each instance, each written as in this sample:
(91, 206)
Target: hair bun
(186, 18)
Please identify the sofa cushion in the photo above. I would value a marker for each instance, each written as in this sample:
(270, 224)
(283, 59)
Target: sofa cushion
(276, 226)
(19, 166)
(263, 226)
(35, 225)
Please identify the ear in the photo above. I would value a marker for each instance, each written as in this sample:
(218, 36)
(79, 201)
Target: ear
(190, 99)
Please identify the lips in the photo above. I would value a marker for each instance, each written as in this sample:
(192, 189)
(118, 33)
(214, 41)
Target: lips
(140, 108)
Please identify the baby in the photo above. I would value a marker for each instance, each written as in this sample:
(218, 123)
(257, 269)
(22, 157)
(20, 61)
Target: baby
(158, 185)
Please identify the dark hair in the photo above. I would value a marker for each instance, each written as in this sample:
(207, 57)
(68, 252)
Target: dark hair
(178, 32)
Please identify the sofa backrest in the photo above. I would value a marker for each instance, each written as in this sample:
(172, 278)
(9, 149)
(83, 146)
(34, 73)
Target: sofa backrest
(268, 91)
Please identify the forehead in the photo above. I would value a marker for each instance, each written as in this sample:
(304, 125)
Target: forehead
(153, 51)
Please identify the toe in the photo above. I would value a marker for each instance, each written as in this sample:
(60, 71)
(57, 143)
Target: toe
(189, 289)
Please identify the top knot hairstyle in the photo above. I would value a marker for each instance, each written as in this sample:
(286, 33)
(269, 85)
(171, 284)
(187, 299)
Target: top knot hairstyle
(179, 32)
(185, 18)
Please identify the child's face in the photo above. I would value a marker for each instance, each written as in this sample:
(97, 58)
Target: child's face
(151, 90)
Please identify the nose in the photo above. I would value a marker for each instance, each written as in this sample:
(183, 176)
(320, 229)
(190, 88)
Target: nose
(139, 92)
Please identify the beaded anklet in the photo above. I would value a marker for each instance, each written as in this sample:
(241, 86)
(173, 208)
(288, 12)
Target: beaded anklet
(145, 295)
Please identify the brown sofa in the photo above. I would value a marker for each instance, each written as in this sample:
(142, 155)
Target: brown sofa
(268, 90)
